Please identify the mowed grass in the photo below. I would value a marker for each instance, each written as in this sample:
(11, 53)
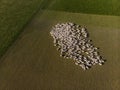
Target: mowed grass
(14, 14)
(33, 62)
(104, 7)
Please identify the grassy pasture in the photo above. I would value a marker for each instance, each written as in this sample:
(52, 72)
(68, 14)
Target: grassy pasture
(14, 14)
(33, 62)
(104, 7)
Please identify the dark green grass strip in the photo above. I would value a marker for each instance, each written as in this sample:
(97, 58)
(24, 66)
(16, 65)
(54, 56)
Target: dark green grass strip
(14, 15)
(104, 7)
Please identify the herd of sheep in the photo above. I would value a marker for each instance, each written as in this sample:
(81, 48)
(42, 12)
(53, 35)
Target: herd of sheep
(73, 42)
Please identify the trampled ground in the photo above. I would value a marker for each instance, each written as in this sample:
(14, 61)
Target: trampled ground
(33, 63)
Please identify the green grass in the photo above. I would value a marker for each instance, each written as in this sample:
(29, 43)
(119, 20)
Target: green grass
(14, 14)
(111, 7)
(34, 63)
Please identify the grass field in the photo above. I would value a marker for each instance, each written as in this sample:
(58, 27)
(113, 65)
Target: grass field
(104, 7)
(33, 63)
(14, 15)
